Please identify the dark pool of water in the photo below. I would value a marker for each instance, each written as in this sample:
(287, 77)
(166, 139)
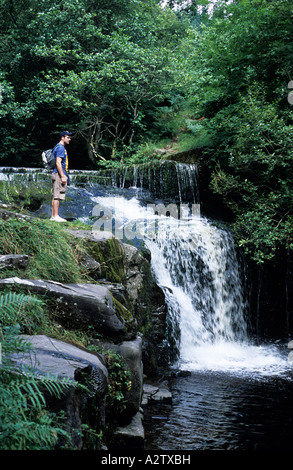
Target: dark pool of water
(217, 411)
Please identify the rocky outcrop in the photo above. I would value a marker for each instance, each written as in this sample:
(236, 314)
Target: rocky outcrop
(7, 214)
(78, 304)
(133, 286)
(81, 405)
(150, 311)
(131, 352)
(156, 394)
(130, 436)
(134, 266)
(126, 308)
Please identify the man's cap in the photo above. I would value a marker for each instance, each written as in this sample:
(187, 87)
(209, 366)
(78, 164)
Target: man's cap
(63, 133)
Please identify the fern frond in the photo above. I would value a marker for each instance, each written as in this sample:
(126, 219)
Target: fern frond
(55, 386)
(12, 303)
(12, 299)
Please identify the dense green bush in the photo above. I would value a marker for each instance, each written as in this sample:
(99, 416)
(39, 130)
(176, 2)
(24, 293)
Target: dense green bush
(237, 68)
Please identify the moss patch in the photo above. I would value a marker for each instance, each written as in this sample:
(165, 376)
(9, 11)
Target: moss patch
(25, 196)
(109, 254)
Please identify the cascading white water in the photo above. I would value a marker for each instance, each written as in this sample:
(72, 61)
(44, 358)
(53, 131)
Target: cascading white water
(201, 267)
(196, 265)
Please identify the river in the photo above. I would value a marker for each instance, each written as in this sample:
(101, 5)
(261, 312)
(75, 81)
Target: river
(222, 411)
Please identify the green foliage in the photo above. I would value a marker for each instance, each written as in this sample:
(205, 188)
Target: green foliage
(25, 423)
(177, 77)
(237, 70)
(21, 309)
(119, 384)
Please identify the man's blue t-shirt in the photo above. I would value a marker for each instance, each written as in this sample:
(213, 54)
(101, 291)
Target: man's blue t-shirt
(60, 151)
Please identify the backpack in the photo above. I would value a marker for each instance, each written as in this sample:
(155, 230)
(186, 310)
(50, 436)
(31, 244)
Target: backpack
(48, 159)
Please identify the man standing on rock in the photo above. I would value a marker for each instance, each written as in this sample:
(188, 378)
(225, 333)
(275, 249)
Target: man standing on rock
(60, 175)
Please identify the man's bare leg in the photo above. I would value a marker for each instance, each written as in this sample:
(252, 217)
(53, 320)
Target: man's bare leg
(55, 207)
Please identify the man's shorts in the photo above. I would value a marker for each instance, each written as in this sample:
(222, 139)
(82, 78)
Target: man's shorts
(59, 189)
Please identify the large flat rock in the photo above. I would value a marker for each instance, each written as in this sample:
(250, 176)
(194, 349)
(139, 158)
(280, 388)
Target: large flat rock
(81, 304)
(61, 359)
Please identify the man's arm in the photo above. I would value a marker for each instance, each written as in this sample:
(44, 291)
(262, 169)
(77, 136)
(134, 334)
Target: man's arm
(60, 170)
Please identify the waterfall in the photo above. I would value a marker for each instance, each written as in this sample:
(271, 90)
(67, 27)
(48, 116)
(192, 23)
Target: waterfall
(166, 180)
(195, 263)
(202, 266)
(187, 176)
(197, 266)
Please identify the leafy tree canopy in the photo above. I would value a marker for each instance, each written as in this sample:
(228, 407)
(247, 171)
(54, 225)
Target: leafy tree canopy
(94, 66)
(239, 67)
